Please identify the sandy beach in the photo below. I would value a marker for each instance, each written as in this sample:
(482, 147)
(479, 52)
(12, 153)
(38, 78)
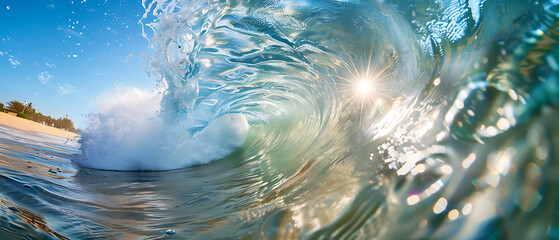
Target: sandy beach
(28, 125)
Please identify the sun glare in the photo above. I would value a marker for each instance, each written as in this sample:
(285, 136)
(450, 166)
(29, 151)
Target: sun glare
(367, 79)
(364, 87)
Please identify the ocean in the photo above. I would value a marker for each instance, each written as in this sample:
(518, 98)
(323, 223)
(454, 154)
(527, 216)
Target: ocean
(311, 120)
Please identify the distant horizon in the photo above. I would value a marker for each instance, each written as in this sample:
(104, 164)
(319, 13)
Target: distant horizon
(63, 56)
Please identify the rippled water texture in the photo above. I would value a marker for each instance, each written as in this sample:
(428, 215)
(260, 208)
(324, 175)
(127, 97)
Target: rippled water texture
(366, 120)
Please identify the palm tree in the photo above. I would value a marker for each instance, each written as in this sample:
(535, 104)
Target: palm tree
(15, 106)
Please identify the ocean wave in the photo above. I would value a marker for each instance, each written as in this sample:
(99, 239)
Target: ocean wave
(403, 119)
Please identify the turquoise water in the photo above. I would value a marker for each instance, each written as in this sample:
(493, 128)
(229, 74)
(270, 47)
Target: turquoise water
(312, 120)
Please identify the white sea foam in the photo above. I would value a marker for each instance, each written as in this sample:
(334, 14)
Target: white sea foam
(128, 134)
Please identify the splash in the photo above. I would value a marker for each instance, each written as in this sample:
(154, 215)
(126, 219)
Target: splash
(128, 134)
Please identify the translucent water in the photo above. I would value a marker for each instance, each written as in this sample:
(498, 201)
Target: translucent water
(313, 119)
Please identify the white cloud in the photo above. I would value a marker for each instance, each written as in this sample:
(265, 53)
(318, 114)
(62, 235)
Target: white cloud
(66, 89)
(51, 6)
(13, 61)
(44, 77)
(99, 74)
(50, 65)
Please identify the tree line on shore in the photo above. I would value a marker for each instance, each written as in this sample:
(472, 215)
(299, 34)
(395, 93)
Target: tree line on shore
(26, 110)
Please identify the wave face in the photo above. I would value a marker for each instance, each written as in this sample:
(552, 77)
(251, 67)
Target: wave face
(404, 119)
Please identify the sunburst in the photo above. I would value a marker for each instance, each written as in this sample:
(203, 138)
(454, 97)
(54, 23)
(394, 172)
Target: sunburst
(367, 80)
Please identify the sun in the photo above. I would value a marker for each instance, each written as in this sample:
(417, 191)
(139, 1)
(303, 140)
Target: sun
(363, 87)
(367, 78)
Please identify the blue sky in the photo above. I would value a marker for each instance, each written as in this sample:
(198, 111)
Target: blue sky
(62, 55)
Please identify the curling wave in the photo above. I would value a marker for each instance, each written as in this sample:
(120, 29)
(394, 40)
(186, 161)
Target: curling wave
(217, 59)
(377, 111)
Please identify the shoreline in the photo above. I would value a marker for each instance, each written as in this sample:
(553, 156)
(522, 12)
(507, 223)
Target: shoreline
(31, 126)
